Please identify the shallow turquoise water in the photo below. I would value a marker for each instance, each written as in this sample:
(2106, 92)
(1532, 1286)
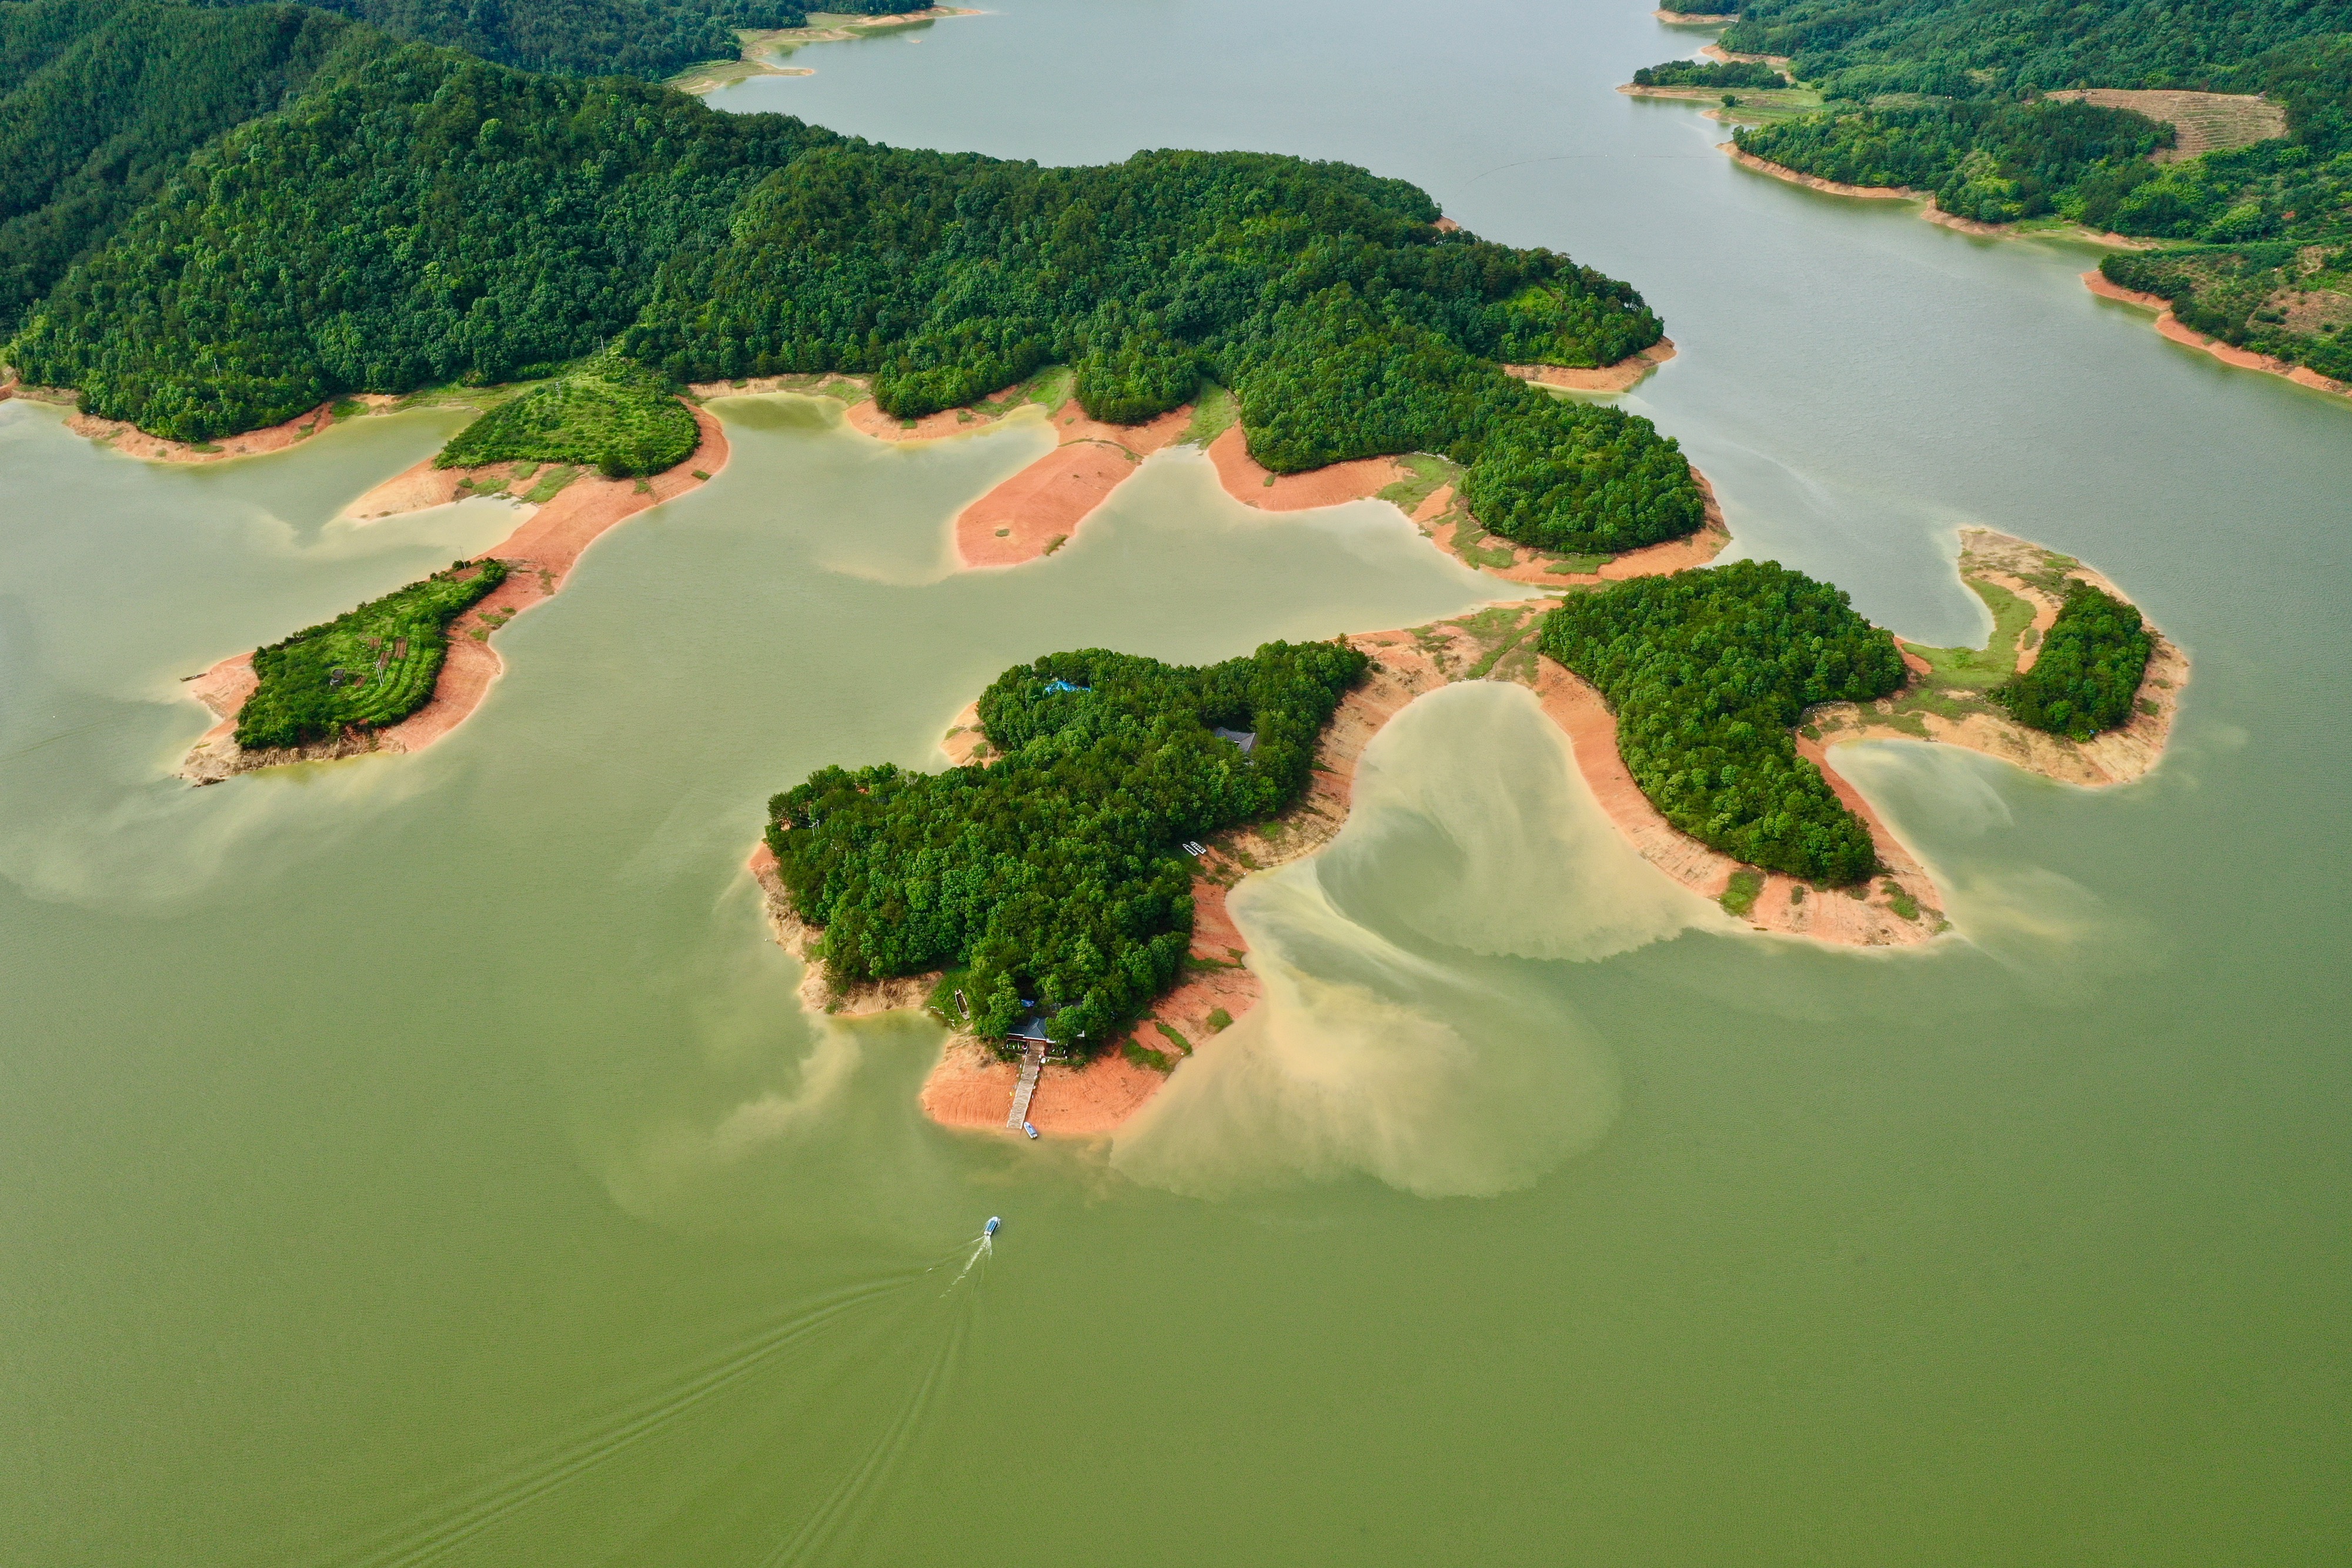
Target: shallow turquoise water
(423, 1159)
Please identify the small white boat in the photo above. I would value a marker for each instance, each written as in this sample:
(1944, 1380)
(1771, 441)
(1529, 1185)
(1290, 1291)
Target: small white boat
(1030, 1128)
(994, 1221)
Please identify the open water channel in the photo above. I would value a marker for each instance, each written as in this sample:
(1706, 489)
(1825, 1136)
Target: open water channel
(424, 1160)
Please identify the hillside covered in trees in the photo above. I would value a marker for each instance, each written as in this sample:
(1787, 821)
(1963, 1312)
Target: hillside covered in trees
(1708, 672)
(1949, 98)
(102, 100)
(2293, 302)
(1960, 48)
(648, 40)
(418, 216)
(1052, 875)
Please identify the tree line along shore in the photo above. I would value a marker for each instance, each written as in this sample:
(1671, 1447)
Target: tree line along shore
(2214, 142)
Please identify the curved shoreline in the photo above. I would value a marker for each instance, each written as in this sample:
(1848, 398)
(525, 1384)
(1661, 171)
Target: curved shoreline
(541, 552)
(1900, 905)
(1928, 209)
(2171, 326)
(1623, 376)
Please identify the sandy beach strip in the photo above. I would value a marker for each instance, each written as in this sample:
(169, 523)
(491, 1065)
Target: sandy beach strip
(1623, 376)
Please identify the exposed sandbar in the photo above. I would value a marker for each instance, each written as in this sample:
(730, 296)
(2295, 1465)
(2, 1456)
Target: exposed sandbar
(1247, 482)
(1623, 376)
(2180, 332)
(539, 554)
(132, 442)
(1034, 512)
(2036, 575)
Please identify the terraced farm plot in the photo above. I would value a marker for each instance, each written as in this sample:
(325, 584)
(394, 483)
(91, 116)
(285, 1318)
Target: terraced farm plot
(2203, 121)
(369, 667)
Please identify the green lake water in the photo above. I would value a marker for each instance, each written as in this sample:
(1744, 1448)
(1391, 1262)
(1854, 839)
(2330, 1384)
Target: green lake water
(425, 1159)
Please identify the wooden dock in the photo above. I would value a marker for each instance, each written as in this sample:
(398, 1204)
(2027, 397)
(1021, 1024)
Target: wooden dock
(1033, 1061)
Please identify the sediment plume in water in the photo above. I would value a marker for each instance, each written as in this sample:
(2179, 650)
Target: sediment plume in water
(1404, 1035)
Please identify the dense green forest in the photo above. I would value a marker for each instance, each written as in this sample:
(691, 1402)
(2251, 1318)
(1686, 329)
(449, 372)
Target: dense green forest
(423, 218)
(102, 100)
(1053, 874)
(648, 40)
(1982, 159)
(368, 668)
(608, 412)
(2089, 669)
(1708, 672)
(1958, 48)
(1708, 73)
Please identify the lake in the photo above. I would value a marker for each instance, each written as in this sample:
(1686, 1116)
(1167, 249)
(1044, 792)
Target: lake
(426, 1160)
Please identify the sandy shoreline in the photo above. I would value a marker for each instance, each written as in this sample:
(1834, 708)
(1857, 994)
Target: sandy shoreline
(1036, 511)
(2179, 331)
(540, 554)
(1623, 376)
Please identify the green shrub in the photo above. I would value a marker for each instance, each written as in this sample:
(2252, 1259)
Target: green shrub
(2089, 669)
(606, 412)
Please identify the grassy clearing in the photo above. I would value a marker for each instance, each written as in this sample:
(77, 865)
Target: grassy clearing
(370, 666)
(1428, 474)
(1982, 669)
(1739, 898)
(1213, 412)
(1144, 1056)
(1174, 1036)
(1902, 902)
(608, 412)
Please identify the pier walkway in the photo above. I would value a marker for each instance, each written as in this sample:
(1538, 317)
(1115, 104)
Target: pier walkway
(1033, 1061)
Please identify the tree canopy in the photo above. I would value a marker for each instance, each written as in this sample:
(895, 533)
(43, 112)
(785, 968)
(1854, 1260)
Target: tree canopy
(1708, 672)
(1960, 48)
(102, 100)
(2089, 669)
(606, 412)
(1053, 874)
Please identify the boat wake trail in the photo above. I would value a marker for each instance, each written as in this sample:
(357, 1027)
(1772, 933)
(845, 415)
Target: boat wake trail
(489, 1503)
(848, 1510)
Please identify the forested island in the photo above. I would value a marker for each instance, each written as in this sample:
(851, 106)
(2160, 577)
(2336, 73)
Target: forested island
(2221, 134)
(1051, 880)
(1067, 874)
